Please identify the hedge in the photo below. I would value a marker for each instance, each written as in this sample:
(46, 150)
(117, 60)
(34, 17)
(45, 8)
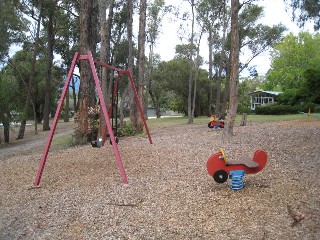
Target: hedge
(277, 110)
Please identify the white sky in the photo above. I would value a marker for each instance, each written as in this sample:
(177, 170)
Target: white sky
(274, 13)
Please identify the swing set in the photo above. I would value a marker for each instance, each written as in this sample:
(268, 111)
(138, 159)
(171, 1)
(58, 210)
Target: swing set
(77, 57)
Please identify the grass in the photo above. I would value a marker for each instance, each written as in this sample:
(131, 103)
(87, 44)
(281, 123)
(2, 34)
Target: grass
(68, 140)
(250, 118)
(62, 142)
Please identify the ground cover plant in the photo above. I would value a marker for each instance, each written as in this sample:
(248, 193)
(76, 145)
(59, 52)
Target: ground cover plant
(169, 195)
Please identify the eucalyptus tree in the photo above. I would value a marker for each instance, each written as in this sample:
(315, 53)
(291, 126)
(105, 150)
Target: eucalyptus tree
(214, 16)
(49, 23)
(12, 26)
(36, 12)
(88, 40)
(141, 57)
(128, 90)
(67, 40)
(105, 36)
(234, 69)
(9, 99)
(305, 10)
(191, 53)
(256, 38)
(156, 11)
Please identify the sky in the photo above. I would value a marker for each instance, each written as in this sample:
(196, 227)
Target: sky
(274, 13)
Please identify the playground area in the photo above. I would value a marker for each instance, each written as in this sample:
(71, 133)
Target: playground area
(169, 194)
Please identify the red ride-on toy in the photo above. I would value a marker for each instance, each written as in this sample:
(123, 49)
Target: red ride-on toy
(215, 123)
(219, 166)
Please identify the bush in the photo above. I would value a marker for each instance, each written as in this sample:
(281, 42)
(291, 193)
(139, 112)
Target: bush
(304, 107)
(277, 109)
(126, 130)
(317, 109)
(243, 109)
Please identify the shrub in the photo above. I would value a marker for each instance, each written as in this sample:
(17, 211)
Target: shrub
(317, 109)
(276, 109)
(126, 130)
(304, 107)
(243, 109)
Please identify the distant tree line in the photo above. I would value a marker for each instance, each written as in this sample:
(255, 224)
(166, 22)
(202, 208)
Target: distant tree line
(44, 35)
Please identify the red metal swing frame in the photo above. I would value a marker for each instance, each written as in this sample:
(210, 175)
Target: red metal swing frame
(77, 57)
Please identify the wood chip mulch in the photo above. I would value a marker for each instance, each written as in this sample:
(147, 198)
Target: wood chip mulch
(169, 195)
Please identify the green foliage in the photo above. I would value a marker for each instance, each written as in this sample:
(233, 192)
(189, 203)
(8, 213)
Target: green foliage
(292, 97)
(243, 109)
(126, 130)
(281, 109)
(304, 11)
(12, 26)
(317, 109)
(304, 107)
(170, 85)
(276, 110)
(312, 76)
(291, 58)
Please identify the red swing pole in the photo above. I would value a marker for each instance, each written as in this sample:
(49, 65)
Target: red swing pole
(55, 121)
(110, 112)
(139, 104)
(107, 119)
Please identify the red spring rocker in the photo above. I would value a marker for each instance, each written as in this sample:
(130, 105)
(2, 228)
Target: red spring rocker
(219, 166)
(215, 123)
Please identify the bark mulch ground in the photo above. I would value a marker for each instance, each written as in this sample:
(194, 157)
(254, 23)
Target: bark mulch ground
(169, 195)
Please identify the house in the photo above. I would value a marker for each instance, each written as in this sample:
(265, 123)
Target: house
(263, 98)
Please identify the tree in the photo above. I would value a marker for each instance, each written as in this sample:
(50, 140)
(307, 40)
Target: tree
(234, 74)
(133, 105)
(312, 76)
(9, 92)
(304, 10)
(50, 8)
(141, 57)
(155, 12)
(191, 52)
(215, 17)
(290, 62)
(256, 38)
(88, 39)
(12, 26)
(29, 85)
(105, 36)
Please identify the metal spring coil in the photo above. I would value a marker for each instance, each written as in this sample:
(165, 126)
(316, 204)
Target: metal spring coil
(236, 178)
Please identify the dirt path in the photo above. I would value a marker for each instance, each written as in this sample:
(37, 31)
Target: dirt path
(32, 143)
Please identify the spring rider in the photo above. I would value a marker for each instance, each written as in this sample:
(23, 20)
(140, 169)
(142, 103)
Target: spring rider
(215, 123)
(220, 167)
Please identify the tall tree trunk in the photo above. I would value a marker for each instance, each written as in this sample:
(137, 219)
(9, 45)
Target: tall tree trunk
(141, 58)
(103, 5)
(221, 64)
(31, 78)
(225, 96)
(210, 73)
(67, 107)
(234, 74)
(6, 126)
(88, 37)
(156, 103)
(133, 105)
(50, 37)
(196, 74)
(74, 93)
(190, 116)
